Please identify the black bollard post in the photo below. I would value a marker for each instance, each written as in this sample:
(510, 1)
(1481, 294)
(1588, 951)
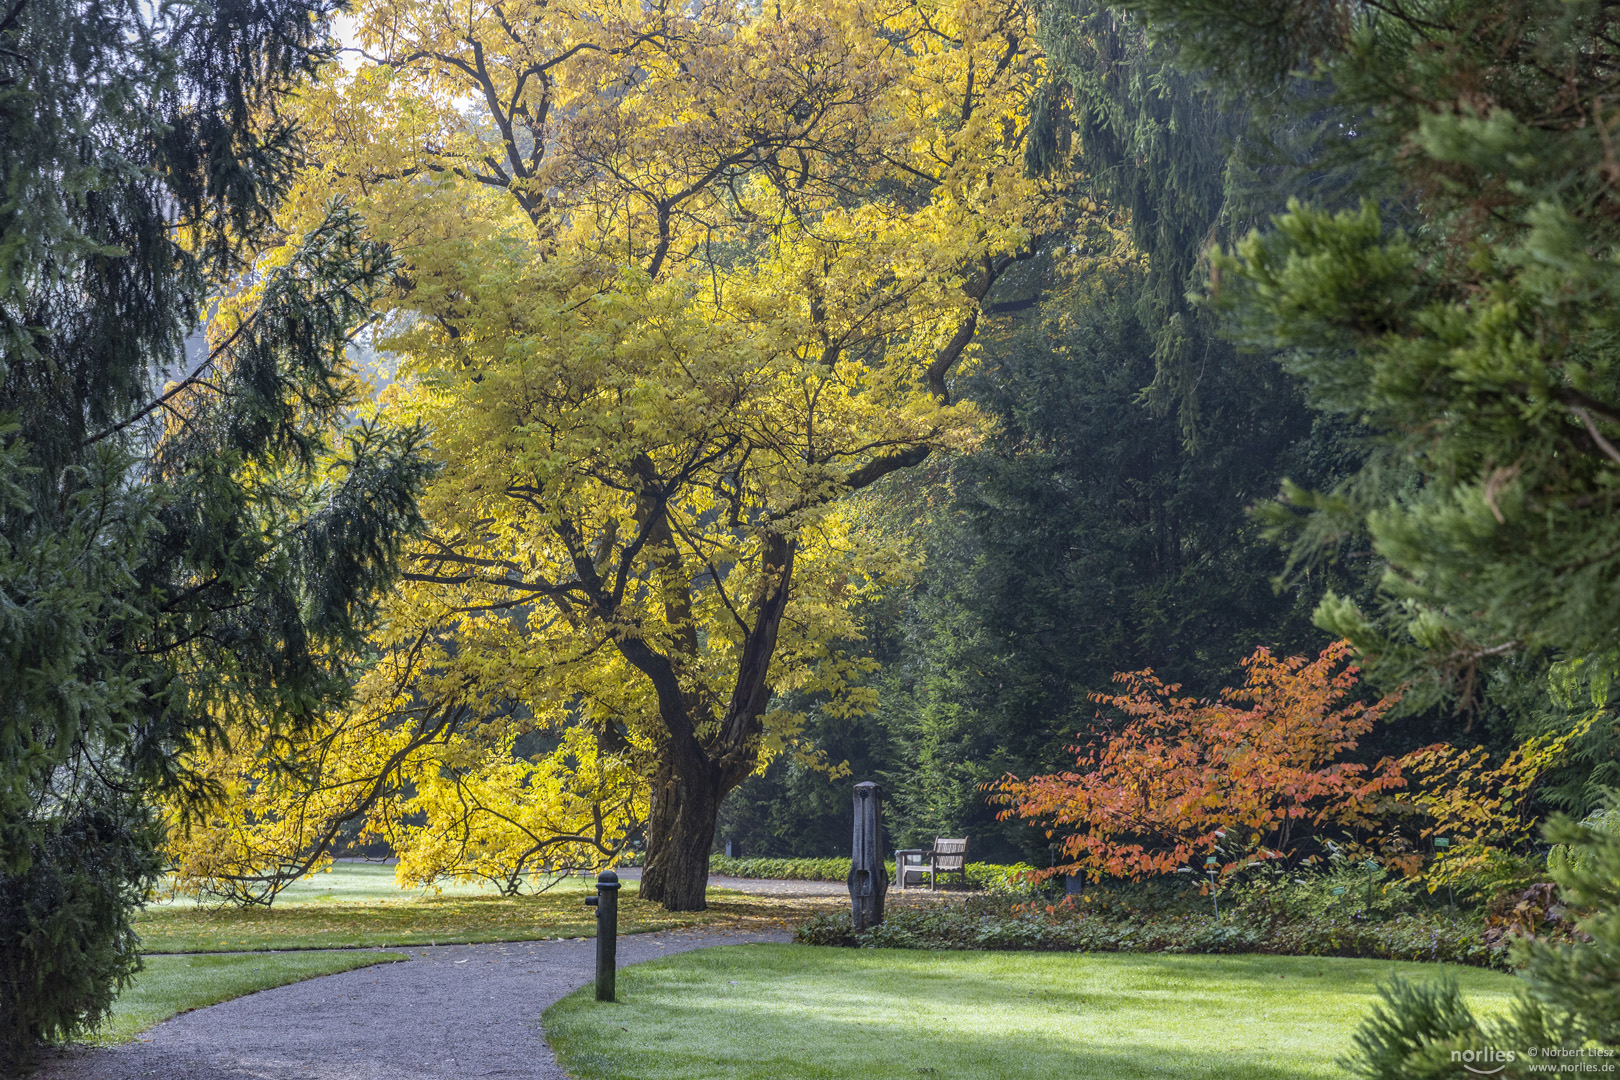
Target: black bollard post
(868, 878)
(606, 903)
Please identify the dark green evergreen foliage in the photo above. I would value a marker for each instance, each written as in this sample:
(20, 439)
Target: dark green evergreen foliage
(1477, 346)
(1570, 1001)
(1157, 145)
(1104, 545)
(1105, 528)
(793, 809)
(1575, 989)
(67, 945)
(1085, 540)
(174, 560)
(119, 122)
(1412, 1032)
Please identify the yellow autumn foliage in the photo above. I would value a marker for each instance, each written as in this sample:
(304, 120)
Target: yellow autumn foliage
(677, 282)
(1481, 807)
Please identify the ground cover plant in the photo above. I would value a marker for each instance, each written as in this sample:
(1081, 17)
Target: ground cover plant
(1428, 937)
(776, 1012)
(356, 906)
(1348, 910)
(169, 985)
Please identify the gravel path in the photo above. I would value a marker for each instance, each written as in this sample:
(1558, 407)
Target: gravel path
(455, 1012)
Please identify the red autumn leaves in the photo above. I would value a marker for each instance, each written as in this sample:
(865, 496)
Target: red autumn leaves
(1178, 775)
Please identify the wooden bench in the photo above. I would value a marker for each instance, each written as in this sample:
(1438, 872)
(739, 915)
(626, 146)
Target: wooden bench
(945, 857)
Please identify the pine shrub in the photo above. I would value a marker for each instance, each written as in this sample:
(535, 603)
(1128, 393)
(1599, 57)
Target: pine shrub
(1568, 1011)
(67, 943)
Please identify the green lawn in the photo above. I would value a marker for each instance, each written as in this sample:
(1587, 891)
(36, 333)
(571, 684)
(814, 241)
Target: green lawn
(347, 882)
(783, 1012)
(175, 984)
(358, 905)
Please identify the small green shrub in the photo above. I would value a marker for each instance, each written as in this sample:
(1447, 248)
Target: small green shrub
(67, 945)
(998, 878)
(782, 869)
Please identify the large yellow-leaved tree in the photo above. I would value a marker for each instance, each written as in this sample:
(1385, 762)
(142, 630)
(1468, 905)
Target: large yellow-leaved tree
(677, 281)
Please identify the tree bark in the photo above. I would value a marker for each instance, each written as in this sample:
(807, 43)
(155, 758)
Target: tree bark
(680, 835)
(695, 774)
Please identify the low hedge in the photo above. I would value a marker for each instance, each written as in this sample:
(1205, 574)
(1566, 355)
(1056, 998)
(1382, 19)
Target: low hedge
(1426, 936)
(782, 869)
(979, 875)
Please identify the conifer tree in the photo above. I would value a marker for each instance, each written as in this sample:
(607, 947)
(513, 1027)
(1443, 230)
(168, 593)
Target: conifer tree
(1160, 147)
(188, 537)
(1463, 315)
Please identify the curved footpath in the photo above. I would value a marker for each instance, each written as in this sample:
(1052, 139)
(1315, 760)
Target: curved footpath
(454, 1012)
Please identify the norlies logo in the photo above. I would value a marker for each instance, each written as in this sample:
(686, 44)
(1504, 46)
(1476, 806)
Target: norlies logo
(1469, 1058)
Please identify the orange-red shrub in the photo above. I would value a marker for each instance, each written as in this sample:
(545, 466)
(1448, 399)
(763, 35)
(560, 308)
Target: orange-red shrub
(1178, 775)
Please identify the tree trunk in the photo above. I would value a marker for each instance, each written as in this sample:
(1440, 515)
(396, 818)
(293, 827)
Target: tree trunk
(695, 773)
(680, 835)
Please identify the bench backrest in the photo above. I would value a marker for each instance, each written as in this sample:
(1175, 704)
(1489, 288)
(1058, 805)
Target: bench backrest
(950, 854)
